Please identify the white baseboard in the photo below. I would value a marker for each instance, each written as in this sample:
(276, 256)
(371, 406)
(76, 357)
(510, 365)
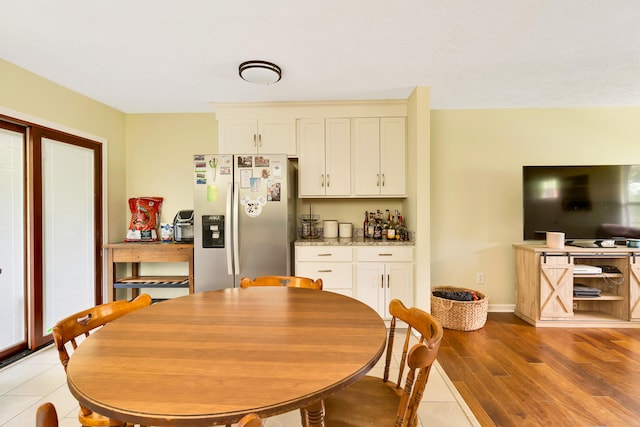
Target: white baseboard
(501, 308)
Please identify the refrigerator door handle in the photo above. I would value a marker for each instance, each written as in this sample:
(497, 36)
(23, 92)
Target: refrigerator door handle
(227, 228)
(236, 240)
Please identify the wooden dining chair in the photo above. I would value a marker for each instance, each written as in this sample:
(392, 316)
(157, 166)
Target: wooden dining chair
(251, 420)
(79, 326)
(374, 401)
(46, 415)
(286, 281)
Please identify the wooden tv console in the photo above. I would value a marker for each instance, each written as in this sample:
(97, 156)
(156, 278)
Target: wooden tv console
(545, 279)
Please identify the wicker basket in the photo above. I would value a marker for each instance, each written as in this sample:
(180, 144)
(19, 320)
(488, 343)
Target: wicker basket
(459, 315)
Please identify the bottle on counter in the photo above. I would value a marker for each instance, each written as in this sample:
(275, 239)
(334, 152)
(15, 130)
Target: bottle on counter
(377, 230)
(365, 225)
(391, 229)
(401, 230)
(372, 225)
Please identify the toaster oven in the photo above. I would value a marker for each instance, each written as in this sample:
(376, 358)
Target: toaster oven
(183, 226)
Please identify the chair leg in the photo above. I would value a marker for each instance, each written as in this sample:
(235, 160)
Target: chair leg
(304, 417)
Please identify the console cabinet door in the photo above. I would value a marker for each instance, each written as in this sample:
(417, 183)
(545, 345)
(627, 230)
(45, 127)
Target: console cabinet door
(556, 287)
(634, 288)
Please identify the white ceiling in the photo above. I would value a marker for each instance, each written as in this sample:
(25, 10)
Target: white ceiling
(151, 56)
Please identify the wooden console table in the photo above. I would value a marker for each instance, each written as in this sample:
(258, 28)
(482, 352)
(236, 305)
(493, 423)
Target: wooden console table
(135, 253)
(545, 279)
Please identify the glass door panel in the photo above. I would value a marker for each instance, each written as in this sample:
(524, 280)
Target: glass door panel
(12, 231)
(68, 230)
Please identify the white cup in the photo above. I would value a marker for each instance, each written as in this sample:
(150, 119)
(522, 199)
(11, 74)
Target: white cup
(345, 229)
(330, 228)
(555, 240)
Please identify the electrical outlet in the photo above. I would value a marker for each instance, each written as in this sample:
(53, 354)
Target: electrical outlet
(480, 278)
(575, 305)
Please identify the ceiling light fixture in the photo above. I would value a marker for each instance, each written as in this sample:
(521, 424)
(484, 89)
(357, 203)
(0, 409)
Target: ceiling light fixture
(261, 72)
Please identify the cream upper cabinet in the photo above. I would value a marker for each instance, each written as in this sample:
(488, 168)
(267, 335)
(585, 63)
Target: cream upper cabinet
(379, 163)
(324, 157)
(266, 136)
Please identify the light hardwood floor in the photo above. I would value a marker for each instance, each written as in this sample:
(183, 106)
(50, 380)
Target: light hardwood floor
(513, 374)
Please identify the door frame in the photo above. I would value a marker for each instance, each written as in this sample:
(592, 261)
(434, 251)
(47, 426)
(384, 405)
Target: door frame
(35, 251)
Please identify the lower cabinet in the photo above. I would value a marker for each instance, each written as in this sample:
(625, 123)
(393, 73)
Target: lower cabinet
(384, 273)
(332, 264)
(372, 274)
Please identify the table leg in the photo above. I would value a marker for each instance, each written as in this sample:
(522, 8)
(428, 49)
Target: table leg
(315, 414)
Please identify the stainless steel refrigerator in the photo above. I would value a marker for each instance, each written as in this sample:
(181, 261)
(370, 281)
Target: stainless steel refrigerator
(244, 218)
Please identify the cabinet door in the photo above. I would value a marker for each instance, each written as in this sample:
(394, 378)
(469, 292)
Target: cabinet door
(311, 163)
(338, 157)
(556, 287)
(237, 137)
(366, 160)
(393, 156)
(634, 288)
(399, 278)
(370, 285)
(277, 137)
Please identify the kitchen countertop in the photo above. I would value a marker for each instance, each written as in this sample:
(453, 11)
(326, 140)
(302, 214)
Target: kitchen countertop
(355, 241)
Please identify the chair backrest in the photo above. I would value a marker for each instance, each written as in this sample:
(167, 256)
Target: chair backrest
(416, 359)
(83, 323)
(287, 281)
(79, 326)
(251, 420)
(46, 415)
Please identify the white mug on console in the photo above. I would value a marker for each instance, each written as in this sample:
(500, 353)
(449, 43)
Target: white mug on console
(555, 240)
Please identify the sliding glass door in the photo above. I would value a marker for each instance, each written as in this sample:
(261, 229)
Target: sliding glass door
(50, 231)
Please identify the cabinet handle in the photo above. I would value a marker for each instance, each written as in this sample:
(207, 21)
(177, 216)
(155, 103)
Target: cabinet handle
(383, 180)
(324, 254)
(378, 180)
(388, 281)
(254, 140)
(328, 182)
(382, 281)
(385, 254)
(259, 140)
(325, 271)
(322, 180)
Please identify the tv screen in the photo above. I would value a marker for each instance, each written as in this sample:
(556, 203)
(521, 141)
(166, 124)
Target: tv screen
(584, 202)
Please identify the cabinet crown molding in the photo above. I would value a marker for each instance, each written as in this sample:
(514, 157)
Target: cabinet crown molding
(311, 109)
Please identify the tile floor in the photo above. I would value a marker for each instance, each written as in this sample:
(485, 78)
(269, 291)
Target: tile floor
(39, 378)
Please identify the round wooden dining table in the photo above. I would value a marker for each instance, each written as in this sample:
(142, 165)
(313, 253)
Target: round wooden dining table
(212, 357)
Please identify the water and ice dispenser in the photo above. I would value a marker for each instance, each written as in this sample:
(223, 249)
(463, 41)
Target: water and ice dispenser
(213, 231)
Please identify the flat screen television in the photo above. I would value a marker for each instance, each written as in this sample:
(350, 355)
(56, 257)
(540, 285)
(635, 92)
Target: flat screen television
(593, 202)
